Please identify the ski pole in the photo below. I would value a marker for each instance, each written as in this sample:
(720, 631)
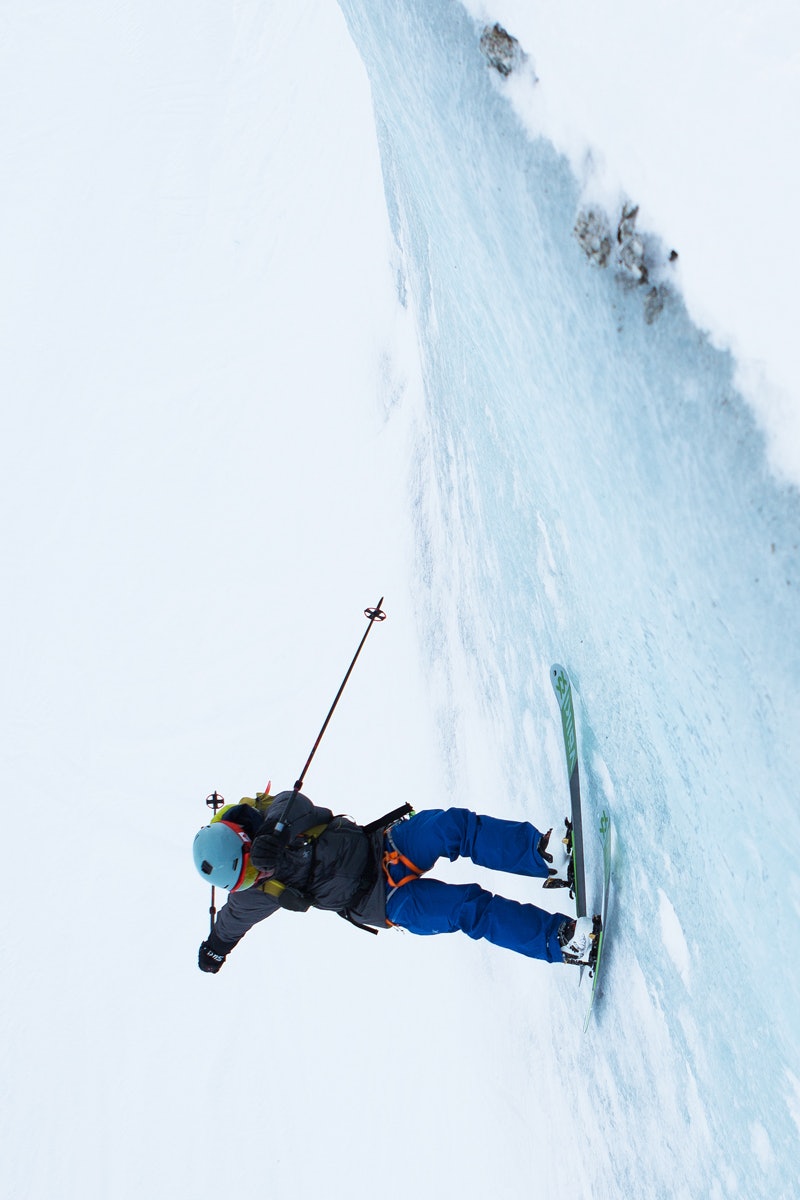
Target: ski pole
(372, 615)
(216, 802)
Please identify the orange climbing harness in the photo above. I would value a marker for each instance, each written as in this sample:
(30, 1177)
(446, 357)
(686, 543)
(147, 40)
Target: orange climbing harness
(390, 859)
(393, 858)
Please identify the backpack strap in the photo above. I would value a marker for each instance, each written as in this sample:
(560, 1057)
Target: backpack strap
(270, 887)
(391, 818)
(356, 924)
(314, 833)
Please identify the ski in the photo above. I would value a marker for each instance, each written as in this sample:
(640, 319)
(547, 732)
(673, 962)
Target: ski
(563, 691)
(605, 841)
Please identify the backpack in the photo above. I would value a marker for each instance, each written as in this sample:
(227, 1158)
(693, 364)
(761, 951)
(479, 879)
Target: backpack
(334, 865)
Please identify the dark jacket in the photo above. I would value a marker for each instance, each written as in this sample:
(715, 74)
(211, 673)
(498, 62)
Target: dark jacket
(330, 861)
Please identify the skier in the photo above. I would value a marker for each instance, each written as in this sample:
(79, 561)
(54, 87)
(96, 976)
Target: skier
(285, 852)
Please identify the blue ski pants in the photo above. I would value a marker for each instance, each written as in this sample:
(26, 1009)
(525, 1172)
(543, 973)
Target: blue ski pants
(428, 906)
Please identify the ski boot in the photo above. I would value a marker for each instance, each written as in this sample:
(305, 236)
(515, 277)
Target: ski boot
(579, 940)
(557, 853)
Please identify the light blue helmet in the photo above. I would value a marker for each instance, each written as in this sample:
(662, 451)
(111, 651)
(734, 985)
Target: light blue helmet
(221, 854)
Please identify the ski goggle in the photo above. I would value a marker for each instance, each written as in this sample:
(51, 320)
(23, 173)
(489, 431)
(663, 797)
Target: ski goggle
(243, 880)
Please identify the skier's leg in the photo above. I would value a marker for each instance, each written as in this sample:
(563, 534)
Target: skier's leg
(428, 906)
(458, 833)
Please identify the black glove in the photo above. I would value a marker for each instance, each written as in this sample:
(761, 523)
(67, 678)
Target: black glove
(212, 954)
(268, 847)
(209, 960)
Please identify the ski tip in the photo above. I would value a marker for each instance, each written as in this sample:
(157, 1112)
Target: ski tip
(561, 683)
(559, 679)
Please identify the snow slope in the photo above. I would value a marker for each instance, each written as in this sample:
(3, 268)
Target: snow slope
(593, 489)
(260, 367)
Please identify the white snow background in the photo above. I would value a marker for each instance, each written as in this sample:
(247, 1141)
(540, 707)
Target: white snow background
(261, 366)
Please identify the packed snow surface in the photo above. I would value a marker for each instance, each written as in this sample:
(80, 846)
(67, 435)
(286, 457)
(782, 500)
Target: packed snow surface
(593, 488)
(296, 315)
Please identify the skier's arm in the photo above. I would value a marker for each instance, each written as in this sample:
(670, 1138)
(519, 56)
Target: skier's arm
(297, 811)
(241, 912)
(290, 815)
